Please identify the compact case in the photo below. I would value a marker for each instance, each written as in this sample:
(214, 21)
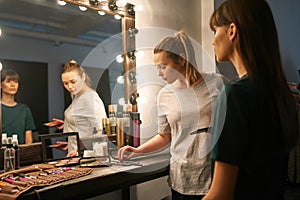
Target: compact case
(53, 155)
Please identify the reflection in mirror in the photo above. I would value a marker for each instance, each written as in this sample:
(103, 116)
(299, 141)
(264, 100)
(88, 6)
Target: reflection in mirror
(43, 33)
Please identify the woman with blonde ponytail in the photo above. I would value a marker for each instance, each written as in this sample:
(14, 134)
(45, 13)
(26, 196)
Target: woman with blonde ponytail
(185, 107)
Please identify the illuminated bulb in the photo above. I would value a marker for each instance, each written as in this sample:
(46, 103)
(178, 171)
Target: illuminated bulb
(119, 58)
(120, 79)
(121, 101)
(117, 17)
(139, 54)
(0, 66)
(0, 32)
(138, 8)
(100, 12)
(141, 100)
(61, 3)
(82, 8)
(121, 3)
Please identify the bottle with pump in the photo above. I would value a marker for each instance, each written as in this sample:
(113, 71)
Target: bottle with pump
(17, 150)
(9, 156)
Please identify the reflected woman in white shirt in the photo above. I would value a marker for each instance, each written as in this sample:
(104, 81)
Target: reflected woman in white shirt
(86, 111)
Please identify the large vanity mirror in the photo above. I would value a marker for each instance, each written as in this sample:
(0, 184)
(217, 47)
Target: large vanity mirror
(39, 36)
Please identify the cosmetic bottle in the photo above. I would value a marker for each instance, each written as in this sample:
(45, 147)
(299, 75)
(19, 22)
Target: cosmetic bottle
(4, 139)
(106, 125)
(127, 109)
(135, 128)
(17, 150)
(112, 113)
(120, 132)
(9, 156)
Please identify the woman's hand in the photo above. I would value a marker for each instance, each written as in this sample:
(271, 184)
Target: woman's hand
(61, 145)
(127, 152)
(61, 123)
(72, 153)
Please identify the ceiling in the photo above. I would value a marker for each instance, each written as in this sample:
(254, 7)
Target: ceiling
(46, 20)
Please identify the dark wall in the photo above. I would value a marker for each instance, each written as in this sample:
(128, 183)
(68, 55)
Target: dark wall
(33, 89)
(286, 15)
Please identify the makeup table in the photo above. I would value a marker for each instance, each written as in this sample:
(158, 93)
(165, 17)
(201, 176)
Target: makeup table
(104, 180)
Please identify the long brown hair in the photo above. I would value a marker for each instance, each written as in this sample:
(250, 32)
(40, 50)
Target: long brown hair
(73, 65)
(180, 45)
(258, 47)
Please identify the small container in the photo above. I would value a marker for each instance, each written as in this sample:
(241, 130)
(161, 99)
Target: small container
(9, 156)
(112, 113)
(4, 139)
(17, 150)
(135, 128)
(106, 125)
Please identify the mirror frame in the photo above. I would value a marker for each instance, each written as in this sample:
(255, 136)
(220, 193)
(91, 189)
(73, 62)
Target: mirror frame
(128, 37)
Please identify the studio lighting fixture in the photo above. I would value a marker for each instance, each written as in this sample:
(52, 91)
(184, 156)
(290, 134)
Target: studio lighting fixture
(112, 5)
(94, 2)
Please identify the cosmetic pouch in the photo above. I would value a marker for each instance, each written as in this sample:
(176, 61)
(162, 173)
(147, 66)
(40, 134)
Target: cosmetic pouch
(16, 182)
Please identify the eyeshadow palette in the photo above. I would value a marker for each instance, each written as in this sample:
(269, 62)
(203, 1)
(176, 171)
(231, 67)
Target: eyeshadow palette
(65, 162)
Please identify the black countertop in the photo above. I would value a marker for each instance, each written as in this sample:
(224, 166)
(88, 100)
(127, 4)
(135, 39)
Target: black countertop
(103, 180)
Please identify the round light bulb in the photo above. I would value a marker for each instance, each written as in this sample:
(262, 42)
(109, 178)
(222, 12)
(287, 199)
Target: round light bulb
(138, 8)
(120, 79)
(100, 12)
(82, 8)
(121, 101)
(139, 54)
(117, 17)
(121, 3)
(119, 58)
(61, 3)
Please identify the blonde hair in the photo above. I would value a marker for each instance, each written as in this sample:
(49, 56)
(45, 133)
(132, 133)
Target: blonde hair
(180, 45)
(73, 65)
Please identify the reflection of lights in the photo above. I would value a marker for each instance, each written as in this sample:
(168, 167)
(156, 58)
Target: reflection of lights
(117, 17)
(120, 79)
(82, 8)
(61, 3)
(121, 101)
(119, 58)
(141, 100)
(100, 12)
(138, 8)
(0, 32)
(0, 66)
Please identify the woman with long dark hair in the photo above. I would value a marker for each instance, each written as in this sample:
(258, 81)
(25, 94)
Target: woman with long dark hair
(260, 125)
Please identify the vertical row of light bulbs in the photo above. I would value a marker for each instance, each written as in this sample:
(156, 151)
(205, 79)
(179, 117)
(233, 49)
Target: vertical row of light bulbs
(107, 6)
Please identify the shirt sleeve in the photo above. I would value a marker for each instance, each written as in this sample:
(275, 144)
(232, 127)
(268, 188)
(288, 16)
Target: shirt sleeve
(230, 127)
(162, 111)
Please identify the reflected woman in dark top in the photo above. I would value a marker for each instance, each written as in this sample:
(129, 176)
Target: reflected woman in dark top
(256, 121)
(16, 117)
